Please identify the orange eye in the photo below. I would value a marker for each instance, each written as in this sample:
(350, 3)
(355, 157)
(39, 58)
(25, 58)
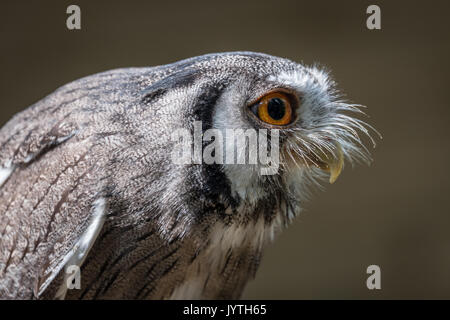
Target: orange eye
(274, 108)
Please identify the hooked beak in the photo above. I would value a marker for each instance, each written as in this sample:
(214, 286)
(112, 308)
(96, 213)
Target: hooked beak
(334, 164)
(329, 162)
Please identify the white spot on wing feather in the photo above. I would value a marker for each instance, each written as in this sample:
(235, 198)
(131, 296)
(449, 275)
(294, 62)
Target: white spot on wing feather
(85, 243)
(5, 172)
(78, 253)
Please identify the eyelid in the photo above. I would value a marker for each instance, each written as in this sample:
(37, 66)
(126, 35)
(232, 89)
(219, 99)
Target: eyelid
(294, 96)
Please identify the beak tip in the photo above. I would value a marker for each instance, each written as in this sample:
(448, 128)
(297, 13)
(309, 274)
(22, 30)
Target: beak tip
(333, 178)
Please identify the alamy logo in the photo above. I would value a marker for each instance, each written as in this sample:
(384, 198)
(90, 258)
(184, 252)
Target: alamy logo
(73, 21)
(374, 20)
(229, 146)
(374, 280)
(73, 277)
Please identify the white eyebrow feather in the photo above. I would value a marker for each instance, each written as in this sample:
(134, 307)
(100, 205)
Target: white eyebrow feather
(5, 172)
(314, 81)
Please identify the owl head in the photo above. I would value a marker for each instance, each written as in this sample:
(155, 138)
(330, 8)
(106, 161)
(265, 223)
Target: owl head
(271, 127)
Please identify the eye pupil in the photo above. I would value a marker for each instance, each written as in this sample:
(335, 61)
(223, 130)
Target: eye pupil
(276, 108)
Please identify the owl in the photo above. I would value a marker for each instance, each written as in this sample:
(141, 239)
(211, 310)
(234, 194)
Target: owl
(91, 179)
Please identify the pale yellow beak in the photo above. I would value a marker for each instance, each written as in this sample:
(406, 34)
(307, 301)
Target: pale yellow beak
(334, 163)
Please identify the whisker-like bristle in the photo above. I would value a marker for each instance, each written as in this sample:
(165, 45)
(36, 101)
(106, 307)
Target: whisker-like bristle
(339, 127)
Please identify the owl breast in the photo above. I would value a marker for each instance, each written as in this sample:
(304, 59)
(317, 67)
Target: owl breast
(151, 268)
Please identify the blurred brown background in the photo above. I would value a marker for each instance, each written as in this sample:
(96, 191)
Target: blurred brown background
(393, 214)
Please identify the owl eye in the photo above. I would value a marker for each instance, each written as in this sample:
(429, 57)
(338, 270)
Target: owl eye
(274, 108)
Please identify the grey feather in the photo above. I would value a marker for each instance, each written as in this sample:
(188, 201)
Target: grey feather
(165, 230)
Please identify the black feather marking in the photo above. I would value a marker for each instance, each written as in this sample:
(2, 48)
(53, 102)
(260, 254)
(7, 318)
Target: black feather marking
(111, 281)
(178, 79)
(124, 253)
(153, 95)
(215, 187)
(165, 272)
(88, 288)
